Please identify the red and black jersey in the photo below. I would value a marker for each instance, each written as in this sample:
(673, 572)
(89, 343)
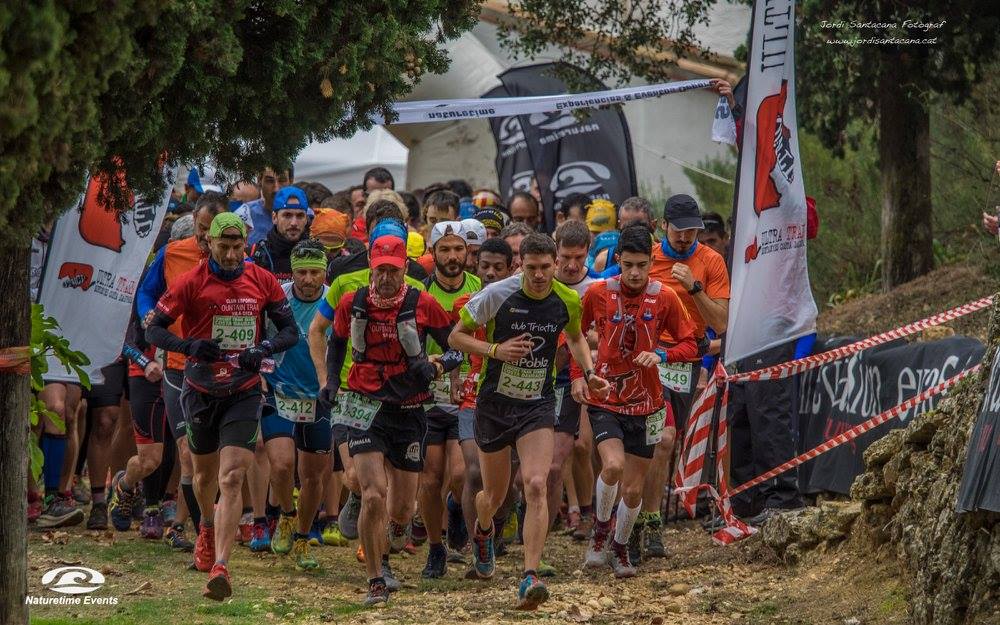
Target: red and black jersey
(628, 325)
(385, 372)
(230, 311)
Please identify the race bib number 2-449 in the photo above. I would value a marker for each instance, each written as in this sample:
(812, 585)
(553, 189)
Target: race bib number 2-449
(677, 377)
(234, 332)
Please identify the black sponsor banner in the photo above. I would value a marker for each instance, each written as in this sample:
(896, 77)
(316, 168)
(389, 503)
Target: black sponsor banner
(514, 166)
(838, 396)
(980, 487)
(591, 154)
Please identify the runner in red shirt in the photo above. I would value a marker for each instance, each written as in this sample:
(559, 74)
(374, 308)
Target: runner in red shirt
(383, 407)
(223, 303)
(629, 313)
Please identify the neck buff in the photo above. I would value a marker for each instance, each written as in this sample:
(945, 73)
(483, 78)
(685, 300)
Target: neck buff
(227, 275)
(376, 300)
(279, 245)
(672, 253)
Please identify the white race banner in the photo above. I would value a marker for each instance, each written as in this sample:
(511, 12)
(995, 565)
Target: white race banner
(481, 108)
(92, 271)
(771, 299)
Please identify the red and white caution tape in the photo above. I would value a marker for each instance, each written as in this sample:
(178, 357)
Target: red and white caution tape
(857, 430)
(793, 367)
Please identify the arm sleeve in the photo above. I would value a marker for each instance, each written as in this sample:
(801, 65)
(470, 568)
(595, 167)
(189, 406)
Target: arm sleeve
(437, 323)
(133, 353)
(280, 314)
(152, 286)
(158, 334)
(336, 353)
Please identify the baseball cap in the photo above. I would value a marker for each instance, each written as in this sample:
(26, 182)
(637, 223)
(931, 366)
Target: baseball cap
(388, 250)
(492, 218)
(475, 231)
(445, 228)
(388, 227)
(601, 215)
(224, 221)
(681, 212)
(291, 197)
(415, 245)
(196, 176)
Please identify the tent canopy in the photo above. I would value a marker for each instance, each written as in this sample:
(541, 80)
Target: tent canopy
(340, 164)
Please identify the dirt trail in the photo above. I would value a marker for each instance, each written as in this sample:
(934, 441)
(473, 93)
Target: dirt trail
(700, 583)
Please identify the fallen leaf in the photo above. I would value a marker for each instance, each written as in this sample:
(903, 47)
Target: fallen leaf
(146, 585)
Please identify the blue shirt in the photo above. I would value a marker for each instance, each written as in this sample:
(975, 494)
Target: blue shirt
(260, 219)
(294, 375)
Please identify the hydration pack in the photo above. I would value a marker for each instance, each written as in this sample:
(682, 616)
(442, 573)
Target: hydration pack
(406, 325)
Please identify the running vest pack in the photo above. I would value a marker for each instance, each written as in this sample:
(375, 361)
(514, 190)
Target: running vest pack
(406, 325)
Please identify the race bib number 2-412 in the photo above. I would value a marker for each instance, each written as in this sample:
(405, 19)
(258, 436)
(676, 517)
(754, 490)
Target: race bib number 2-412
(296, 410)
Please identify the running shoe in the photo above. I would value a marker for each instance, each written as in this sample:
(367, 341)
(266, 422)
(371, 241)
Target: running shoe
(572, 522)
(204, 549)
(245, 532)
(219, 586)
(138, 503)
(531, 593)
(418, 532)
(174, 538)
(397, 536)
(458, 533)
(120, 503)
(332, 535)
(378, 592)
(34, 507)
(349, 516)
(152, 524)
(391, 581)
(545, 569)
(652, 543)
(260, 537)
(169, 511)
(437, 566)
(483, 558)
(81, 490)
(316, 533)
(620, 563)
(597, 550)
(301, 551)
(98, 519)
(281, 540)
(62, 511)
(584, 527)
(635, 545)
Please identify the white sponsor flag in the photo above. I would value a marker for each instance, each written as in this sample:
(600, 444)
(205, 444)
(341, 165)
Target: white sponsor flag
(92, 272)
(481, 108)
(771, 299)
(724, 126)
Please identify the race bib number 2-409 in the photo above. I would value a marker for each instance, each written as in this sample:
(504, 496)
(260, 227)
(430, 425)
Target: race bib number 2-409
(234, 332)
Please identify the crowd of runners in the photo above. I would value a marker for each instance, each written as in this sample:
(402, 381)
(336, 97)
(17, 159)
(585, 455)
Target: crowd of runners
(307, 367)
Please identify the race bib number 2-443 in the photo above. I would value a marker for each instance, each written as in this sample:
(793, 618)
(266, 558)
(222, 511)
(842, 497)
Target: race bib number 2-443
(521, 383)
(234, 332)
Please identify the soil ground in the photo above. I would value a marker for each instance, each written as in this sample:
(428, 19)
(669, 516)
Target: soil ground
(720, 585)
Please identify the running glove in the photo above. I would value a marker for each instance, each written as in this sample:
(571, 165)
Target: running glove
(251, 358)
(205, 350)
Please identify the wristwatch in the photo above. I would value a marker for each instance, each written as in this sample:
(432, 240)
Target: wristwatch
(698, 286)
(587, 374)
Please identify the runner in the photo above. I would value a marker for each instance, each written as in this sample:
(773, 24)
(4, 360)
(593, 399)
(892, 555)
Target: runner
(291, 214)
(572, 241)
(495, 264)
(697, 274)
(223, 302)
(441, 449)
(386, 221)
(291, 414)
(629, 314)
(382, 408)
(523, 316)
(170, 263)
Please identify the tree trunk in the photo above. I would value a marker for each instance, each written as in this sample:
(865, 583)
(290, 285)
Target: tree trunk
(15, 391)
(904, 152)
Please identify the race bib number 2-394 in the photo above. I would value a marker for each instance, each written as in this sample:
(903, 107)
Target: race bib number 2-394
(234, 332)
(356, 411)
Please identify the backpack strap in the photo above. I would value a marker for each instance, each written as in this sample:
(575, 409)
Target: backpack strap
(359, 323)
(406, 324)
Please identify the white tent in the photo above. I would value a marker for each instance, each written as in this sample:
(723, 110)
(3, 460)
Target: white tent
(341, 163)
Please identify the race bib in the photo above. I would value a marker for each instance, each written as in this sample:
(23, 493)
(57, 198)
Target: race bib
(560, 392)
(654, 426)
(234, 333)
(296, 410)
(520, 383)
(356, 411)
(441, 390)
(677, 376)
